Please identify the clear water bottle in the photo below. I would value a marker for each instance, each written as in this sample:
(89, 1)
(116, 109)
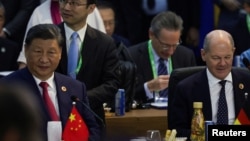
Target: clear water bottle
(120, 102)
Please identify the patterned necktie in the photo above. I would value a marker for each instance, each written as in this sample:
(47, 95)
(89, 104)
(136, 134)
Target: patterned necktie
(162, 70)
(73, 56)
(222, 114)
(48, 102)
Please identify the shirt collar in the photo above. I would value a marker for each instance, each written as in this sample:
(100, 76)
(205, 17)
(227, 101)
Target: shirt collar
(214, 80)
(156, 56)
(50, 81)
(80, 32)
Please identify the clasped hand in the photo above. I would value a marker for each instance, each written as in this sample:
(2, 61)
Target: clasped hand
(159, 83)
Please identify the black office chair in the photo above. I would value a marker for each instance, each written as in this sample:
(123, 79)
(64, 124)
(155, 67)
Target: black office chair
(176, 76)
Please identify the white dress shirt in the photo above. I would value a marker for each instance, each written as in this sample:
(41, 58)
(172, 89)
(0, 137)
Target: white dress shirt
(214, 88)
(156, 62)
(51, 90)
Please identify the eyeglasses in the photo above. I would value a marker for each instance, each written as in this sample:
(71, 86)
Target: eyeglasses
(167, 46)
(109, 23)
(71, 3)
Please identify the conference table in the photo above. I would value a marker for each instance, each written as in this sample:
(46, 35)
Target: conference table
(135, 123)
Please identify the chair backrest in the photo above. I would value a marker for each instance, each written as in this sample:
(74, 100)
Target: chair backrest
(176, 76)
(179, 74)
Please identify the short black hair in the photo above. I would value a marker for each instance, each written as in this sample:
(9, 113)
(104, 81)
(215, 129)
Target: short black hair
(104, 5)
(44, 31)
(91, 2)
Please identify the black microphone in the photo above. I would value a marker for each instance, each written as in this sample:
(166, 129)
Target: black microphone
(76, 99)
(246, 63)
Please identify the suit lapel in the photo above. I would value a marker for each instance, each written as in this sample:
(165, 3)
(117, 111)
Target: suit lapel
(28, 78)
(145, 61)
(63, 95)
(238, 91)
(205, 95)
(88, 46)
(62, 67)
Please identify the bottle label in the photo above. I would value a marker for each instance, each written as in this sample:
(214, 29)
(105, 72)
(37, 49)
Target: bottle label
(197, 127)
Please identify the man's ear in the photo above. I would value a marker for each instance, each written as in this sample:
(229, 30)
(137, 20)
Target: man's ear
(91, 8)
(203, 53)
(150, 33)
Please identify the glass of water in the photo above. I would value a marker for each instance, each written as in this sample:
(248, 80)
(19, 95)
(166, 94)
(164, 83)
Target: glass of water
(153, 135)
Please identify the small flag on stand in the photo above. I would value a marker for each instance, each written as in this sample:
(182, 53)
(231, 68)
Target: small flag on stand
(75, 128)
(243, 117)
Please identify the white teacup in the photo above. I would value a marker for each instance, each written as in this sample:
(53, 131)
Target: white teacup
(54, 131)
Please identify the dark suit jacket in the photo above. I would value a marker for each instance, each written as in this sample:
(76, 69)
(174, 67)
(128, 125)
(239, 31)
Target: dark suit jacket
(183, 57)
(195, 88)
(17, 15)
(227, 18)
(73, 87)
(100, 59)
(9, 51)
(241, 35)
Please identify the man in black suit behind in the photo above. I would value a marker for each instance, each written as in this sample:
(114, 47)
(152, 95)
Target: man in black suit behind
(97, 55)
(17, 15)
(218, 53)
(9, 49)
(164, 42)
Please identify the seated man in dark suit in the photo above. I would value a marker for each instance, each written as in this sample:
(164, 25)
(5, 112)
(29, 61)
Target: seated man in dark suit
(9, 49)
(164, 43)
(43, 47)
(204, 86)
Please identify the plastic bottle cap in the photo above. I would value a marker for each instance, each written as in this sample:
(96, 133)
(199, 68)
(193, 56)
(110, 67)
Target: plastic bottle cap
(197, 104)
(121, 90)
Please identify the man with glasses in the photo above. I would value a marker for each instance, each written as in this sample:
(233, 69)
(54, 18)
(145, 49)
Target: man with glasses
(96, 55)
(157, 57)
(48, 12)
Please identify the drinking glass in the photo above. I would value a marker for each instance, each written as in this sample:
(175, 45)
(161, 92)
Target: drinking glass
(153, 135)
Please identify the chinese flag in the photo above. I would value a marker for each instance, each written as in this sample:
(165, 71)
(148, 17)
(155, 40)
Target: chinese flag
(243, 117)
(75, 128)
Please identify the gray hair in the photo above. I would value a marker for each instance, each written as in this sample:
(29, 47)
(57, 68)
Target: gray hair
(168, 20)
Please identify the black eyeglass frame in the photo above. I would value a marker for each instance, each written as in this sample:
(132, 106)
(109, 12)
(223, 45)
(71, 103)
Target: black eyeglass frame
(71, 3)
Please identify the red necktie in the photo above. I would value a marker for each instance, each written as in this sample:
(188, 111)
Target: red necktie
(48, 102)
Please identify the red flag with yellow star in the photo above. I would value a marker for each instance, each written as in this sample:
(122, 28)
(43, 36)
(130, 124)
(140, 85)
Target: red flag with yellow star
(75, 128)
